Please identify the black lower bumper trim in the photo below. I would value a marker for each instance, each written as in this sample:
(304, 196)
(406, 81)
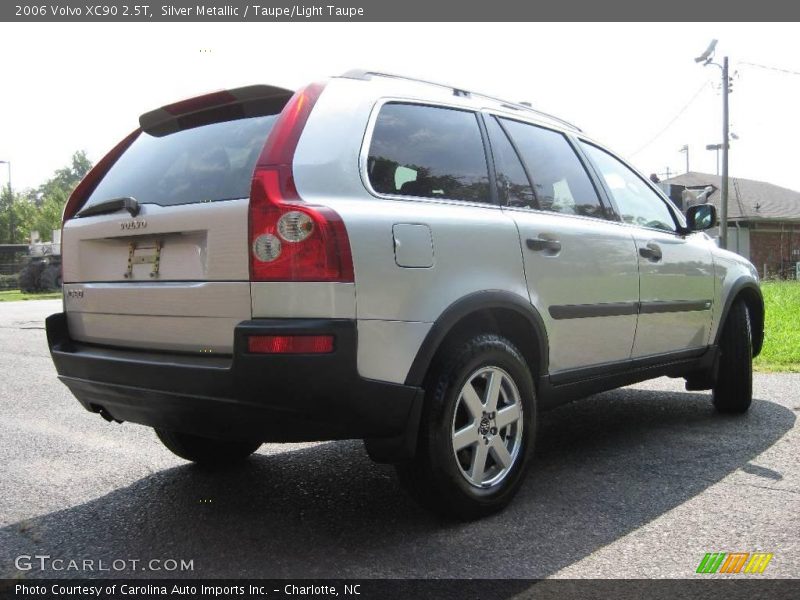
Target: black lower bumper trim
(278, 398)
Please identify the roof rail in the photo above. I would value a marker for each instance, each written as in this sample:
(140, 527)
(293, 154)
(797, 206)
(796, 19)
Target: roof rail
(524, 106)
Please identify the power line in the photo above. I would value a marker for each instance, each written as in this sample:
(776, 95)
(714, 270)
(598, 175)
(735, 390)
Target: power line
(675, 118)
(768, 68)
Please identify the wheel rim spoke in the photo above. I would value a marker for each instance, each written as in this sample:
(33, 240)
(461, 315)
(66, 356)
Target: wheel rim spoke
(472, 401)
(465, 437)
(478, 463)
(508, 415)
(493, 390)
(500, 452)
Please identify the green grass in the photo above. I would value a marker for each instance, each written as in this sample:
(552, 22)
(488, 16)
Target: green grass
(13, 295)
(781, 350)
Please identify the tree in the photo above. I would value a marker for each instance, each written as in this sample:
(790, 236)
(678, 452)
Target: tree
(23, 212)
(40, 209)
(65, 179)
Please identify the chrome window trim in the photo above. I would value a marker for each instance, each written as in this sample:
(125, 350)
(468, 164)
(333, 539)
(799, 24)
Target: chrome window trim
(677, 215)
(552, 213)
(363, 155)
(491, 112)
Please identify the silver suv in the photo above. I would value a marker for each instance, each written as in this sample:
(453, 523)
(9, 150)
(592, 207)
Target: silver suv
(383, 258)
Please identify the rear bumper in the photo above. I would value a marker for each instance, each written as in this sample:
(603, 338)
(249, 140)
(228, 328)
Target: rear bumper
(277, 398)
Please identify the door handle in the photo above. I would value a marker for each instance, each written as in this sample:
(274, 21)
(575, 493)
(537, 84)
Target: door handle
(651, 252)
(543, 244)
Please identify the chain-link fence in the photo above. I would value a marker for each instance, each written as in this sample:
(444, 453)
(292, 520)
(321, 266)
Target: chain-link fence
(13, 259)
(783, 270)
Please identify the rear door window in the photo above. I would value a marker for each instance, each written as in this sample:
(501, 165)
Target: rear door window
(203, 164)
(560, 181)
(513, 185)
(428, 152)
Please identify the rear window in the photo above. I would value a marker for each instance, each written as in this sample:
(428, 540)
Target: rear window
(429, 152)
(204, 164)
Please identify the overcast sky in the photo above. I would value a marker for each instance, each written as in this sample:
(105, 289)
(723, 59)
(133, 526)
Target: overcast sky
(67, 87)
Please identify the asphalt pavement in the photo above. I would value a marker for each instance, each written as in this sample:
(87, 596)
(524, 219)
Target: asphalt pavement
(640, 482)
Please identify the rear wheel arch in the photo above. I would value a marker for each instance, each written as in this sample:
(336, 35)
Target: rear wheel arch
(499, 312)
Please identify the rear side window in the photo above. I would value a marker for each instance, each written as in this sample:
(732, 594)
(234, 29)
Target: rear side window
(204, 164)
(560, 181)
(429, 152)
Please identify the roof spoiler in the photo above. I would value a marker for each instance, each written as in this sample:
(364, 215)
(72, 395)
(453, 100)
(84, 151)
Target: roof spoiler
(227, 105)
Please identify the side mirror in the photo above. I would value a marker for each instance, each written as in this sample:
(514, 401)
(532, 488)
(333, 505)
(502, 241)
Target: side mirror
(701, 217)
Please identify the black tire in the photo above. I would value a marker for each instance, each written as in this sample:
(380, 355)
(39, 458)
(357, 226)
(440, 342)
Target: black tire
(206, 451)
(733, 390)
(437, 476)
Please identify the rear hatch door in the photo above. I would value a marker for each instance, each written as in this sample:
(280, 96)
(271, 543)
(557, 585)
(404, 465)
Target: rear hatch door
(157, 256)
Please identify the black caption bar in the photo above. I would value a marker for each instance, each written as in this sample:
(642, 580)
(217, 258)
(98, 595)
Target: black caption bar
(395, 10)
(369, 589)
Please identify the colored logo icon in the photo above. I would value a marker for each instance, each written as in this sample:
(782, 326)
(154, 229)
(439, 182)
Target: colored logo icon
(734, 562)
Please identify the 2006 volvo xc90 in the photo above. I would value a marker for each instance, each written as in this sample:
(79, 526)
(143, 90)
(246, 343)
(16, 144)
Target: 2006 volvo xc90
(377, 257)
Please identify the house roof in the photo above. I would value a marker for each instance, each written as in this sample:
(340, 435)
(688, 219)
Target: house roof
(748, 199)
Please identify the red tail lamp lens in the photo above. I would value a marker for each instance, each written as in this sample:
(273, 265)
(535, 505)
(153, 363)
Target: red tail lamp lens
(291, 240)
(290, 344)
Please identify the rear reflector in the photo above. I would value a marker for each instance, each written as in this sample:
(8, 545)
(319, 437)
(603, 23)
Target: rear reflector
(290, 344)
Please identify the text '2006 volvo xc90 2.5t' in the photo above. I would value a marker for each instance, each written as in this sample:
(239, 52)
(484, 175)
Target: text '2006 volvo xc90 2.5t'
(375, 257)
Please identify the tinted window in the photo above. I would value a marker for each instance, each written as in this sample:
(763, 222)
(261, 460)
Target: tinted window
(560, 182)
(513, 186)
(428, 151)
(213, 162)
(636, 201)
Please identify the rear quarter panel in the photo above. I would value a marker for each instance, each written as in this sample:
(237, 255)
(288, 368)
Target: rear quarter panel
(475, 247)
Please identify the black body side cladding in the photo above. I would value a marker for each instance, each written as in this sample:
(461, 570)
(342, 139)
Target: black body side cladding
(564, 387)
(478, 301)
(275, 397)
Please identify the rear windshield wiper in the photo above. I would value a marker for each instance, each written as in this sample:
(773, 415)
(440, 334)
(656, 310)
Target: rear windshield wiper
(113, 205)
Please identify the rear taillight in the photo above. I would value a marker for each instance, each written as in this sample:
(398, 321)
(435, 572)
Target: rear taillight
(291, 240)
(290, 344)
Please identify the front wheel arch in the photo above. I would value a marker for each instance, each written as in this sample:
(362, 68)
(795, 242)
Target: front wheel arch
(746, 290)
(754, 302)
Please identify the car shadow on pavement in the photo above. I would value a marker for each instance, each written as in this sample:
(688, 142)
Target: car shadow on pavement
(604, 467)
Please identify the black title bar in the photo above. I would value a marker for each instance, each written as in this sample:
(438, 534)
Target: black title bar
(706, 587)
(394, 10)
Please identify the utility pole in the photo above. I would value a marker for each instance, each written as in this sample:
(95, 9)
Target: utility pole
(707, 59)
(723, 226)
(685, 149)
(11, 224)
